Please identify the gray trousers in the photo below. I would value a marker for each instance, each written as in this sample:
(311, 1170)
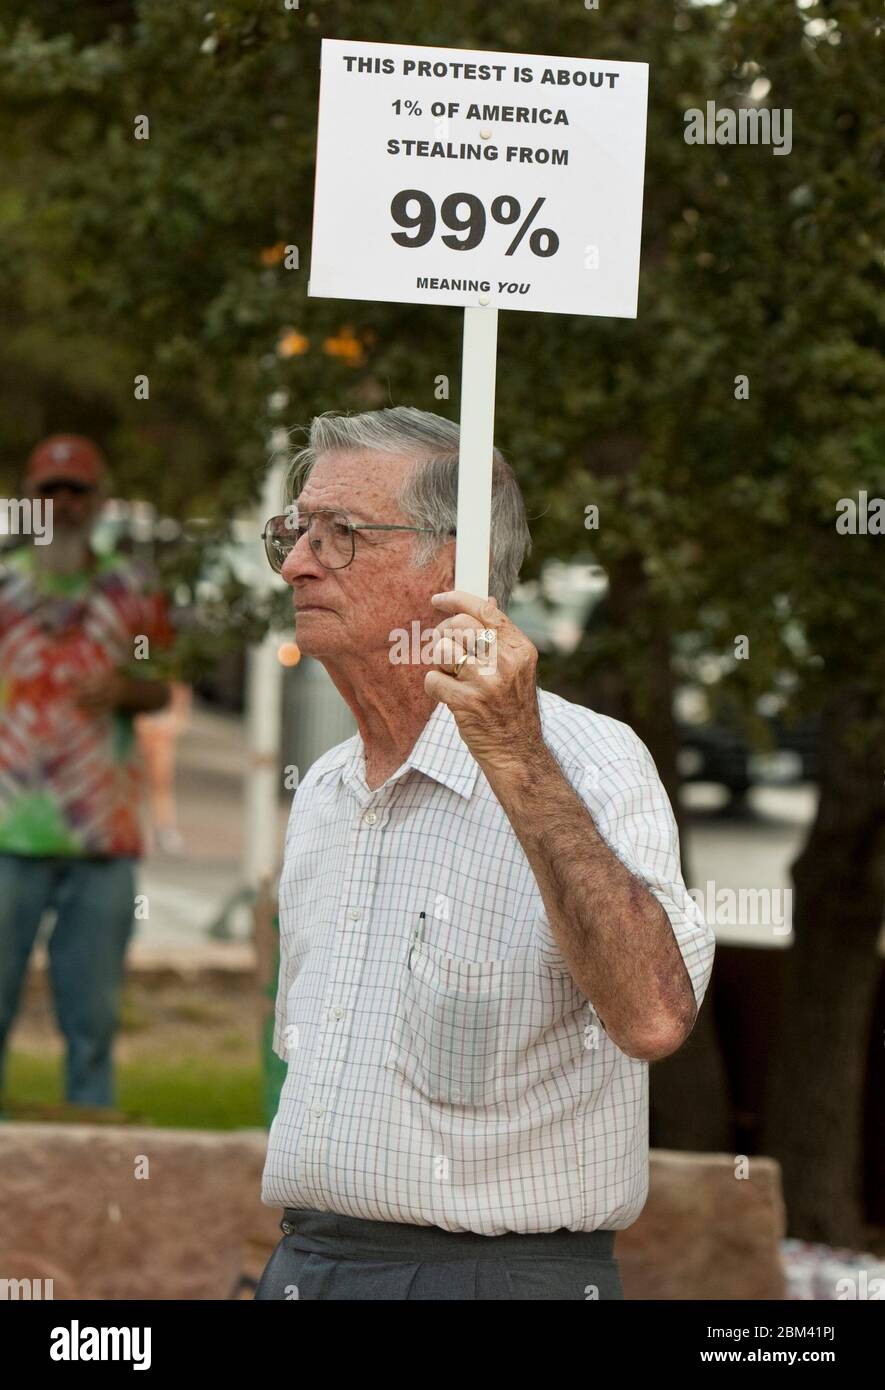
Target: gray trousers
(324, 1255)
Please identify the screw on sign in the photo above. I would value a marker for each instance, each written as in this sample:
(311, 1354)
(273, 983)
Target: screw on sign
(505, 210)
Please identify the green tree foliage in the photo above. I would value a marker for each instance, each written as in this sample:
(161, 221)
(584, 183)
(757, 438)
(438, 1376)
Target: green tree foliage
(165, 256)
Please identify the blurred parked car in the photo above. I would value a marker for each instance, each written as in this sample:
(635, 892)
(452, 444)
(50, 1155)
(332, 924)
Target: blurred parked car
(716, 749)
(714, 743)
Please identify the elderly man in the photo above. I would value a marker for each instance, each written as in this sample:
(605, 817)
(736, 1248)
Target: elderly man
(72, 627)
(485, 935)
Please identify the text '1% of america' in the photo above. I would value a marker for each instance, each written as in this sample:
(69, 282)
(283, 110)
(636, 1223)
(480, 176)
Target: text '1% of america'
(505, 210)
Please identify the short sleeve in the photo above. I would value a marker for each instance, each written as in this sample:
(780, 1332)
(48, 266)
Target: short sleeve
(637, 822)
(146, 611)
(157, 620)
(632, 812)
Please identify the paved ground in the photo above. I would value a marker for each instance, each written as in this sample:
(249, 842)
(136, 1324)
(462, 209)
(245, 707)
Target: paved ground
(752, 852)
(189, 894)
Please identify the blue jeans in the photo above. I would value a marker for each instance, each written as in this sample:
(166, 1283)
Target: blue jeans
(94, 901)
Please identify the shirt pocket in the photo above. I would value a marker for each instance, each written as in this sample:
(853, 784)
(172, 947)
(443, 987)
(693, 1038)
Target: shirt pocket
(449, 1035)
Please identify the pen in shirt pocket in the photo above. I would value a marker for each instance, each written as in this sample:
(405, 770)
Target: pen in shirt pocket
(417, 935)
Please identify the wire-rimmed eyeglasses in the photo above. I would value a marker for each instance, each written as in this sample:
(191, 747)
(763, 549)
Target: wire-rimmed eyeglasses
(331, 534)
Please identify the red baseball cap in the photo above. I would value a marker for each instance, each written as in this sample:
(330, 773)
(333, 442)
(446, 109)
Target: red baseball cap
(66, 458)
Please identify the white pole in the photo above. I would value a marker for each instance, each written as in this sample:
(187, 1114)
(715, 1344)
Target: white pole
(264, 701)
(478, 364)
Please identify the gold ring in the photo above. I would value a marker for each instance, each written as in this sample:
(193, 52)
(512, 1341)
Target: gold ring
(457, 670)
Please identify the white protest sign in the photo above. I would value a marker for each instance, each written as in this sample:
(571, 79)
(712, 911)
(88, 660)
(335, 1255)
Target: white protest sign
(486, 180)
(451, 176)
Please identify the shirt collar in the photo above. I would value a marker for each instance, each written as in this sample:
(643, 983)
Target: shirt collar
(439, 752)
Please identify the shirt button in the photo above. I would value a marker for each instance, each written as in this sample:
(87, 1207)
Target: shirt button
(317, 1111)
(353, 914)
(336, 1012)
(370, 817)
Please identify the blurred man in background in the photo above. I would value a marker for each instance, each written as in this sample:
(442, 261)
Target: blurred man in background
(77, 632)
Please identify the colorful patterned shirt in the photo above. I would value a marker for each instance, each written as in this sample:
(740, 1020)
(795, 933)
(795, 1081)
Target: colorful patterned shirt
(70, 780)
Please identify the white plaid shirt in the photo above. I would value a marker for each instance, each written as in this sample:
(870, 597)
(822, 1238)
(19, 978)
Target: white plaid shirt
(459, 1077)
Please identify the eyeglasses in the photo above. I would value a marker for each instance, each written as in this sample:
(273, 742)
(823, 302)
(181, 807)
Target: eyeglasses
(64, 485)
(332, 536)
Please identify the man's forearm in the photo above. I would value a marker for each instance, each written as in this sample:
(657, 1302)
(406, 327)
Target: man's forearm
(614, 935)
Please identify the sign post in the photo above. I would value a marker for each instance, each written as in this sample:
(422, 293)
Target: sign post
(478, 363)
(484, 180)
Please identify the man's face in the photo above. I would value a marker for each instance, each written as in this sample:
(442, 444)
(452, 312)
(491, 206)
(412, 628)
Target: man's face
(74, 507)
(354, 610)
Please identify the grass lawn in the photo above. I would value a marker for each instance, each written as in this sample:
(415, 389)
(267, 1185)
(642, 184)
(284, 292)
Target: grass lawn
(197, 1092)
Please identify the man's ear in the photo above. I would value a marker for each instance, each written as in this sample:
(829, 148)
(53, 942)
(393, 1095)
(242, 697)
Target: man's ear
(450, 580)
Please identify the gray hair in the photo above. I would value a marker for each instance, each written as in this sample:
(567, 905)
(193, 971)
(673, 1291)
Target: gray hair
(428, 495)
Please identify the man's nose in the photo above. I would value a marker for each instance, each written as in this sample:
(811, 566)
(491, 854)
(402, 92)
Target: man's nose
(301, 560)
